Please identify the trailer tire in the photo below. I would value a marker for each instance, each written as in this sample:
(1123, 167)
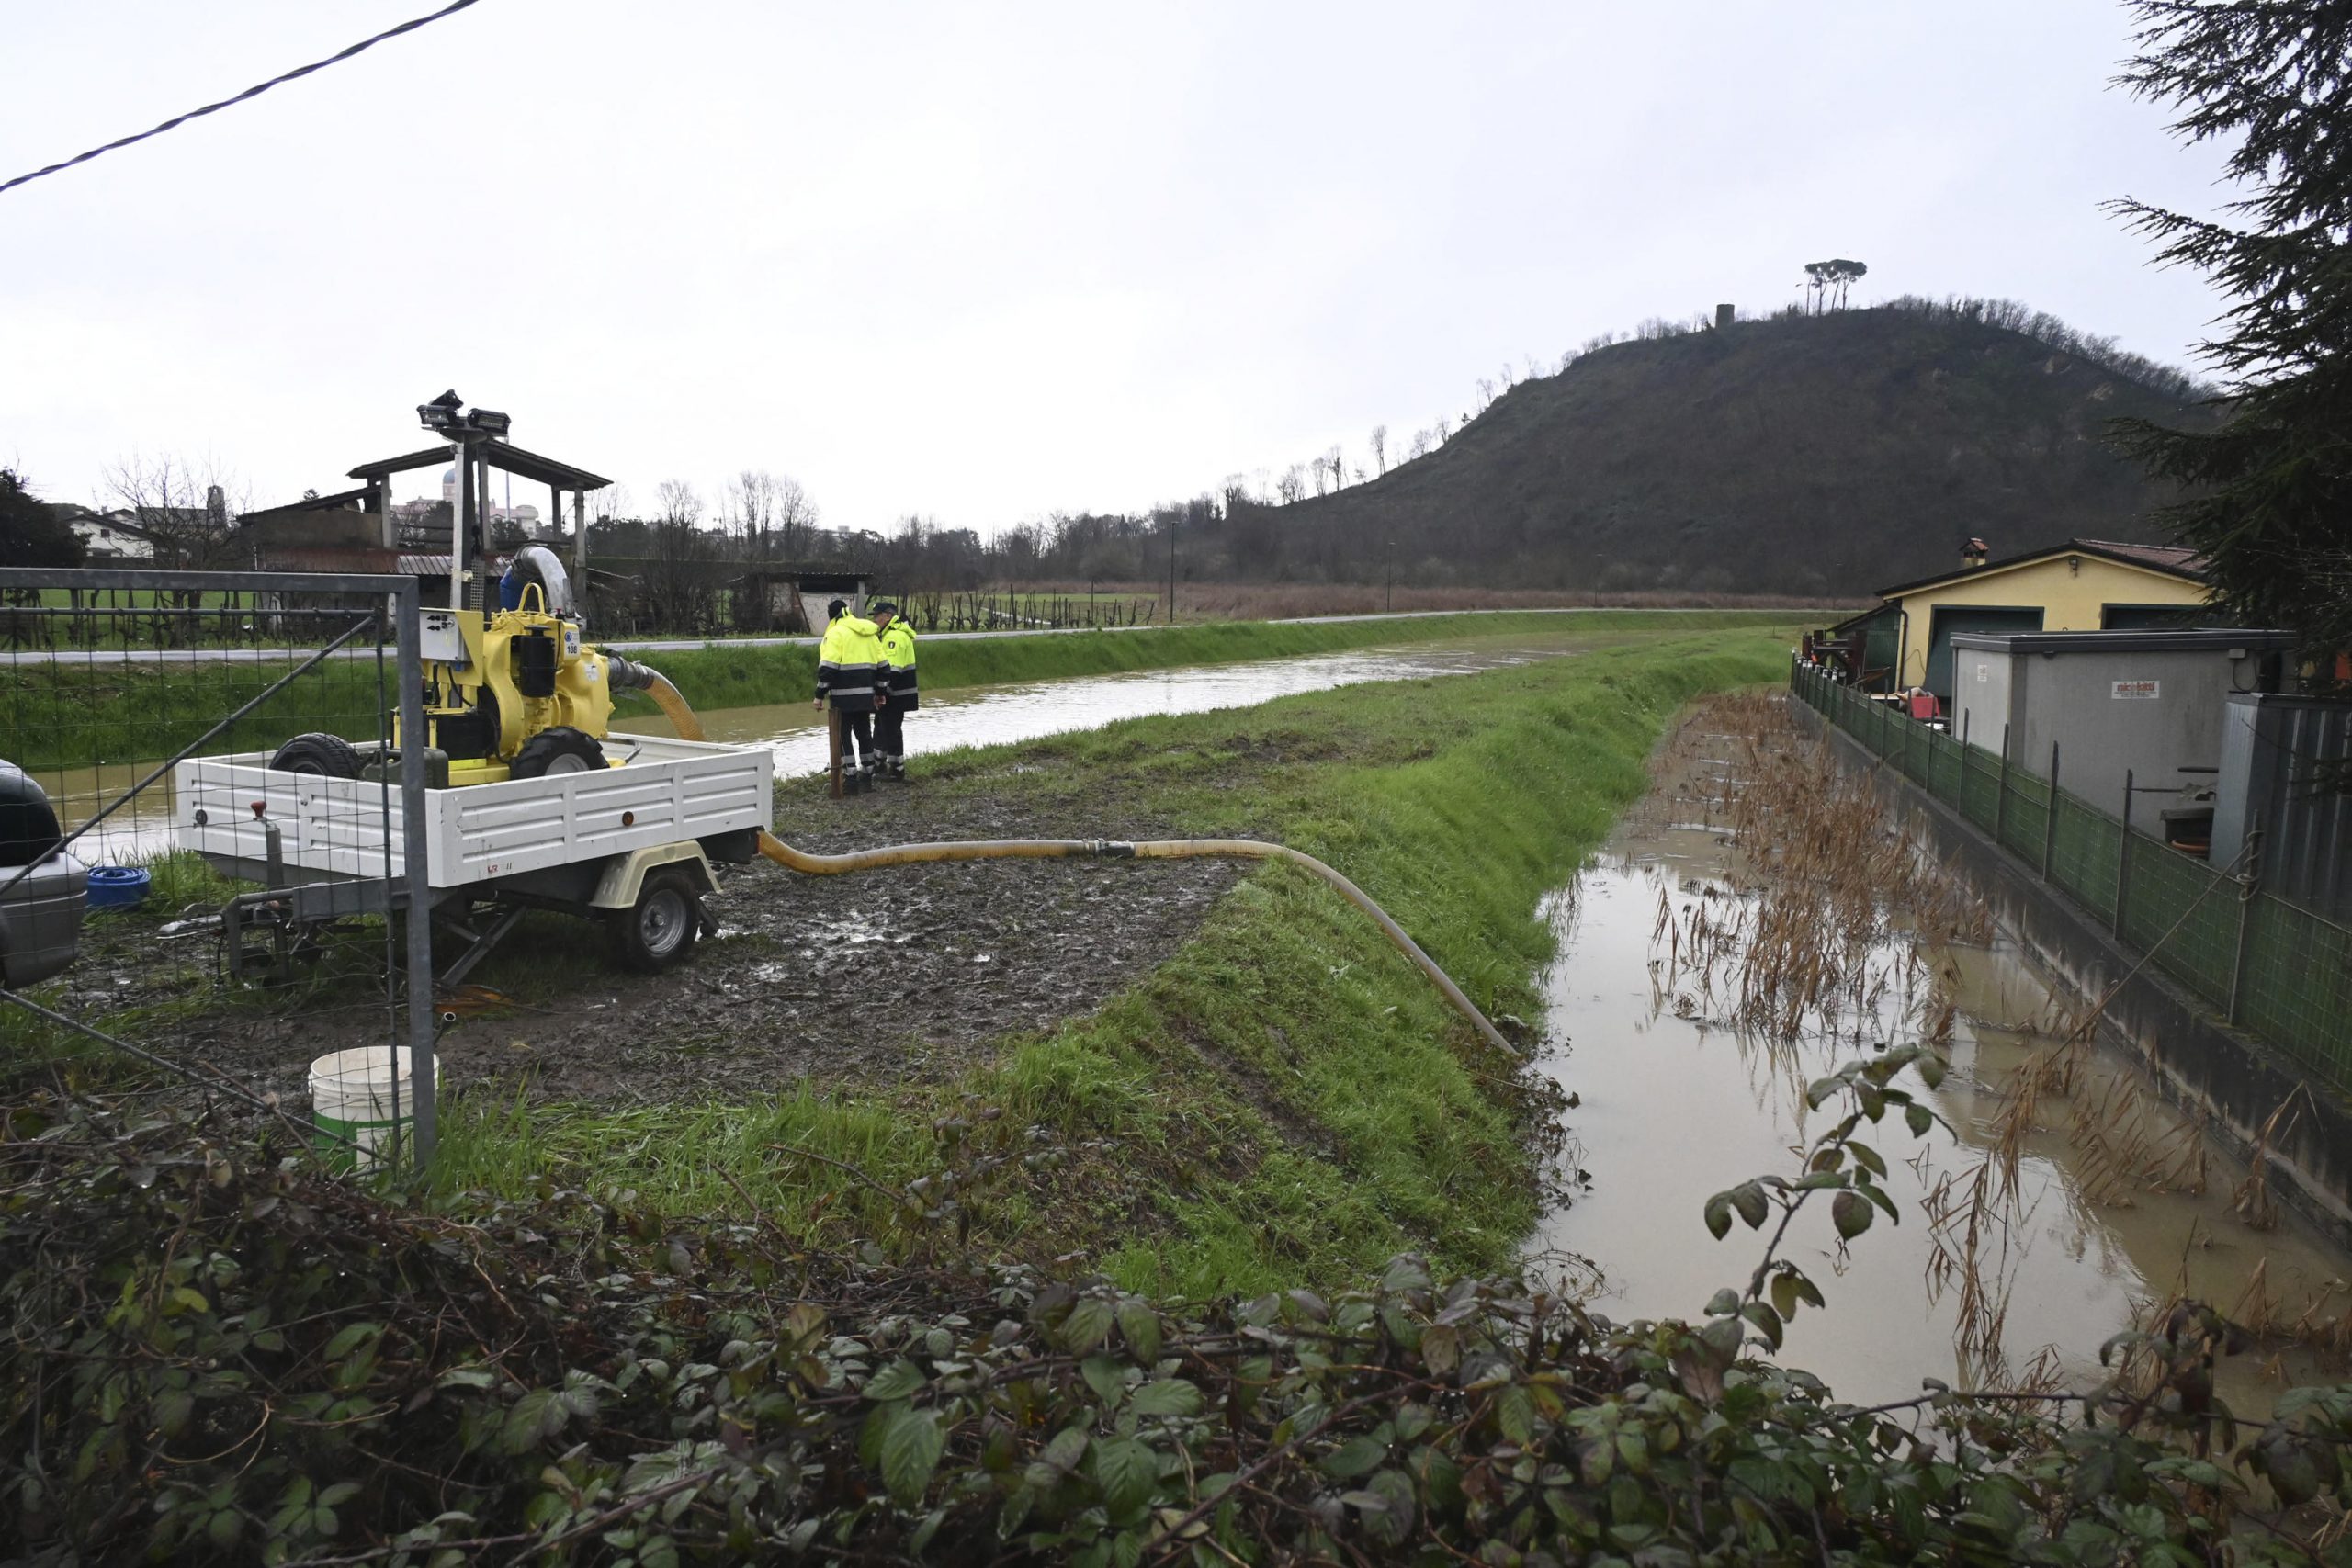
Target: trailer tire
(323, 756)
(563, 750)
(659, 930)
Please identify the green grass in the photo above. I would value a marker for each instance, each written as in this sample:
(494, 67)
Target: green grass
(1285, 1100)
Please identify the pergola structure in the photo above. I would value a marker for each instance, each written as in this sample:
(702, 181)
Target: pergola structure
(474, 459)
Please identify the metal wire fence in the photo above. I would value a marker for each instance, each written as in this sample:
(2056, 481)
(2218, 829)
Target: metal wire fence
(141, 702)
(2280, 971)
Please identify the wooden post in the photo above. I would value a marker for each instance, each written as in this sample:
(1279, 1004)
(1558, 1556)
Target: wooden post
(2249, 881)
(2001, 793)
(2049, 818)
(833, 748)
(2123, 854)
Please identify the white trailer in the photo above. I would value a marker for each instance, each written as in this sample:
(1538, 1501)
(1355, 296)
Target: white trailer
(630, 844)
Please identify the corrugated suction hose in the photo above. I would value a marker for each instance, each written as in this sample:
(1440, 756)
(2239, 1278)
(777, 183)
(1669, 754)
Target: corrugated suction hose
(689, 727)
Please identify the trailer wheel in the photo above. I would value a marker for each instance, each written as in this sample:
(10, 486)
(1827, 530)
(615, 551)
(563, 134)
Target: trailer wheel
(325, 756)
(659, 930)
(558, 751)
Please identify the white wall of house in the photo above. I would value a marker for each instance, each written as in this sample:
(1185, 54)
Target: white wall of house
(101, 536)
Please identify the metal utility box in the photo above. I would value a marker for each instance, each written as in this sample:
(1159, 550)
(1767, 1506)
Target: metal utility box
(2144, 703)
(2283, 769)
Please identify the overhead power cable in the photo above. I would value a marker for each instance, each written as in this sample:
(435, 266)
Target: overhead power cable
(254, 92)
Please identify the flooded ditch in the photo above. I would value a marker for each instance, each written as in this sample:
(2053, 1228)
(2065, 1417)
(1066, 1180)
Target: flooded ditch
(1707, 973)
(793, 730)
(989, 715)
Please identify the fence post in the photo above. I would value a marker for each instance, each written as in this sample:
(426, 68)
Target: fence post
(2249, 883)
(2001, 792)
(2050, 816)
(415, 875)
(2123, 854)
(833, 749)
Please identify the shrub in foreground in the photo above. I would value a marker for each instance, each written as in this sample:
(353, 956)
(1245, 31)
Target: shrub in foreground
(217, 1352)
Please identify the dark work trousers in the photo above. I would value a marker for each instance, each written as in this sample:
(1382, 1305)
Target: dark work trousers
(858, 726)
(891, 731)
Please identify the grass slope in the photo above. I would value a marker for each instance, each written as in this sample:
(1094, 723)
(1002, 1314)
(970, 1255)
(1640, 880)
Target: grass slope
(1287, 1099)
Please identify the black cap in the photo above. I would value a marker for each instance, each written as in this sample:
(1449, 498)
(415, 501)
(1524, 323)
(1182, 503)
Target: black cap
(885, 607)
(833, 610)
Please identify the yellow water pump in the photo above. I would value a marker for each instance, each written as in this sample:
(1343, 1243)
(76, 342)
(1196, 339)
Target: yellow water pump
(517, 695)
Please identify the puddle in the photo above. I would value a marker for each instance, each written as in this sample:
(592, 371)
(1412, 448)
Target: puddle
(988, 715)
(1677, 1104)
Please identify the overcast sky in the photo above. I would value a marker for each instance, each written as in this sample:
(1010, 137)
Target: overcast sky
(983, 263)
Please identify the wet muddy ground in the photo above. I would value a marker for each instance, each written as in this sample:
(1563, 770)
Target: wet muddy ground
(875, 978)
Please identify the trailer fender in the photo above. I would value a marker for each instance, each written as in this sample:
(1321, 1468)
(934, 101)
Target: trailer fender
(625, 875)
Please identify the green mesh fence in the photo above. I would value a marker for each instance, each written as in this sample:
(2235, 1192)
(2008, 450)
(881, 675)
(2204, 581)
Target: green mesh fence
(2184, 913)
(2297, 989)
(2280, 971)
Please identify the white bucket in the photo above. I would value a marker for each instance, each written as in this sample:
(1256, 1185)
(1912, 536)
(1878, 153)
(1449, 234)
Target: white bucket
(353, 1103)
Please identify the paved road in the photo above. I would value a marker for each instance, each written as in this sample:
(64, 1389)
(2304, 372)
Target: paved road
(668, 645)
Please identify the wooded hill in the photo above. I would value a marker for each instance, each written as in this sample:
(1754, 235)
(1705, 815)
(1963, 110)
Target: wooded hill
(1823, 454)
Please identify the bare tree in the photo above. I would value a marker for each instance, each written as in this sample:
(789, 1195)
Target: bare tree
(1315, 468)
(1486, 394)
(188, 508)
(1421, 446)
(1380, 447)
(1292, 486)
(1336, 461)
(1508, 377)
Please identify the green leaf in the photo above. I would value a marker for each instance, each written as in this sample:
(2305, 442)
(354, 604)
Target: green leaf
(1167, 1396)
(1784, 1295)
(911, 1443)
(1767, 1321)
(1139, 1326)
(1515, 1413)
(1719, 1215)
(1852, 1212)
(1723, 1301)
(1869, 1158)
(1088, 1325)
(1107, 1378)
(342, 1343)
(1749, 1200)
(897, 1381)
(1932, 1068)
(1920, 1118)
(1128, 1472)
(1818, 1092)
(1357, 1456)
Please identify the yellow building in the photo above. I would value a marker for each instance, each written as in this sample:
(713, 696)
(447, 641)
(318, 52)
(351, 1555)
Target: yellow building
(2081, 585)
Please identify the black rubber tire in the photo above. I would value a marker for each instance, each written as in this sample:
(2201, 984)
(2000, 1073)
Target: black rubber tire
(325, 756)
(660, 931)
(558, 751)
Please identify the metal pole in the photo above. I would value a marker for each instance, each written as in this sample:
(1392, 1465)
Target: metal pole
(1171, 567)
(580, 550)
(415, 871)
(2050, 816)
(2123, 853)
(2249, 883)
(2001, 792)
(461, 522)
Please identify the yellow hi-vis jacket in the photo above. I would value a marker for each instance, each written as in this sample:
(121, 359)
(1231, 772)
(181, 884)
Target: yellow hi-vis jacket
(899, 664)
(848, 664)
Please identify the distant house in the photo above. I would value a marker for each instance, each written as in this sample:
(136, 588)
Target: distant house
(111, 536)
(2077, 585)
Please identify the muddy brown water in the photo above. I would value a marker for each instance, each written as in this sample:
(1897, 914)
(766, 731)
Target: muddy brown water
(1676, 1105)
(988, 715)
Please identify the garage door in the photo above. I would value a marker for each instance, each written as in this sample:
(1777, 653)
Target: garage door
(1951, 618)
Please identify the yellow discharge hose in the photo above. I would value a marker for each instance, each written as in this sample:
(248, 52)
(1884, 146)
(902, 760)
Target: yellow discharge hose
(689, 727)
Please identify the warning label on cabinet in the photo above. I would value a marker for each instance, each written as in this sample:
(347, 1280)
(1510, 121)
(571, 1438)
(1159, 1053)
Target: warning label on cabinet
(2136, 689)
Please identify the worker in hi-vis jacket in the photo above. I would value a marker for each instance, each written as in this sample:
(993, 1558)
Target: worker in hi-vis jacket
(897, 683)
(849, 670)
